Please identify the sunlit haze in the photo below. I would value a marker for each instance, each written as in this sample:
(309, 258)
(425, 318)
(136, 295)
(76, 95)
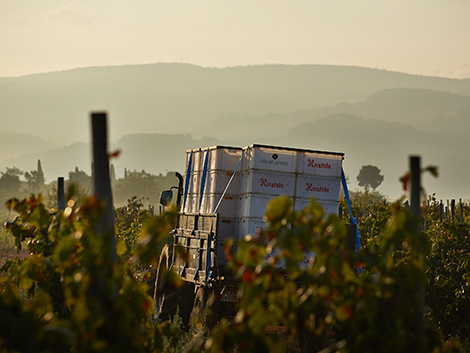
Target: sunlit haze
(425, 37)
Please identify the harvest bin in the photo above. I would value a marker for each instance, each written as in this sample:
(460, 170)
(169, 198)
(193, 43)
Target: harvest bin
(226, 193)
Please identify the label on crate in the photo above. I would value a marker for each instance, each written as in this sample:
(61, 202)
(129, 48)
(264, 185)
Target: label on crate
(320, 188)
(270, 183)
(271, 159)
(320, 164)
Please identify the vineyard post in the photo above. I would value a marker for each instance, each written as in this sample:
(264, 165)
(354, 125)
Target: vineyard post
(60, 194)
(452, 207)
(101, 179)
(415, 198)
(415, 168)
(461, 211)
(441, 209)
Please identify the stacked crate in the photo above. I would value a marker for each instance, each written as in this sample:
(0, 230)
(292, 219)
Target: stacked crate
(266, 172)
(204, 196)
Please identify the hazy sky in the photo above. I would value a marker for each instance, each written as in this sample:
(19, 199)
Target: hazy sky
(428, 37)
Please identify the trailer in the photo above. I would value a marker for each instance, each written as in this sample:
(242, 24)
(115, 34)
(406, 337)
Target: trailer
(225, 194)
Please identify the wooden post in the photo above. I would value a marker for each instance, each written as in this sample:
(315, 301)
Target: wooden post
(441, 210)
(415, 197)
(101, 180)
(461, 212)
(60, 194)
(452, 208)
(415, 191)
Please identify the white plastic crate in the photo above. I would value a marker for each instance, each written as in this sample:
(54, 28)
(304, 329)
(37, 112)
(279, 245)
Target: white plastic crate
(322, 188)
(217, 181)
(191, 203)
(330, 207)
(222, 158)
(274, 159)
(267, 182)
(197, 163)
(253, 205)
(194, 183)
(227, 208)
(249, 226)
(226, 229)
(320, 164)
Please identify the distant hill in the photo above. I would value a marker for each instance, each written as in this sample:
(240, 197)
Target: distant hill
(14, 144)
(425, 109)
(177, 98)
(158, 111)
(156, 153)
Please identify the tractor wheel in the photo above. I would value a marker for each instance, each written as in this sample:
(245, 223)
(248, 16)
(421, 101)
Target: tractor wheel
(167, 296)
(212, 313)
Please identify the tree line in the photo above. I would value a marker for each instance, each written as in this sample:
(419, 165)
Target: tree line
(15, 182)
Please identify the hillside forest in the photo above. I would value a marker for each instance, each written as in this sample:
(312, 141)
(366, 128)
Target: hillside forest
(15, 182)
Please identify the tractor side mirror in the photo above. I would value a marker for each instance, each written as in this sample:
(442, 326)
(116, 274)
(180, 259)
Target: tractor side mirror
(165, 197)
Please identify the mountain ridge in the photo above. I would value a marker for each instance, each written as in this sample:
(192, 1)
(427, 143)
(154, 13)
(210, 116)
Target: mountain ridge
(173, 98)
(154, 116)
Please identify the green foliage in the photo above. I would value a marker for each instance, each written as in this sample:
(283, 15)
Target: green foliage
(377, 308)
(297, 273)
(10, 179)
(77, 298)
(35, 179)
(75, 194)
(447, 272)
(79, 177)
(128, 222)
(136, 183)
